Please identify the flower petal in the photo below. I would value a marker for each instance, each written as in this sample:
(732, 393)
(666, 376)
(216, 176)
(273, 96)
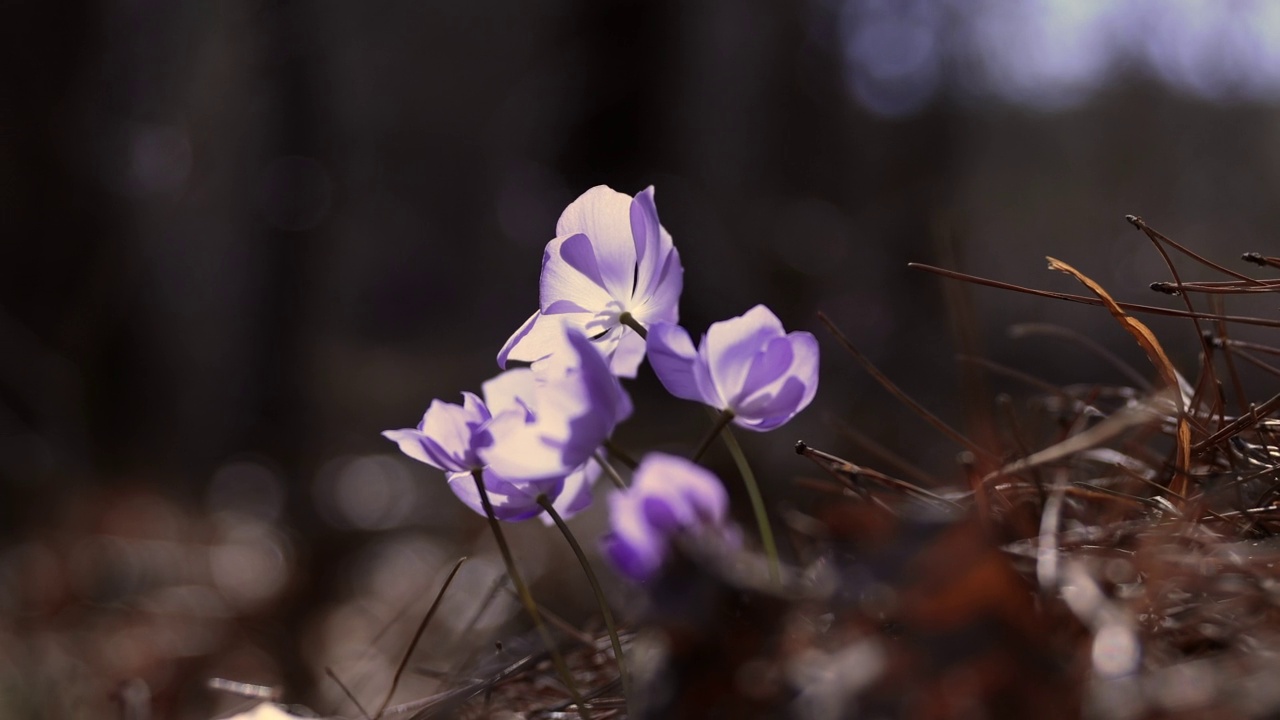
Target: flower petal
(510, 501)
(668, 495)
(511, 390)
(770, 410)
(570, 272)
(731, 345)
(411, 442)
(653, 244)
(448, 431)
(671, 353)
(604, 216)
(606, 403)
(661, 302)
(767, 367)
(475, 406)
(536, 339)
(521, 450)
(634, 548)
(691, 492)
(575, 496)
(628, 354)
(772, 404)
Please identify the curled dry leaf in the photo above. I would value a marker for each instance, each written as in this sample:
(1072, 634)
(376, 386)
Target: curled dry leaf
(1158, 358)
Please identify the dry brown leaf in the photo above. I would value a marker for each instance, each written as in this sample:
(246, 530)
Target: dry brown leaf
(1158, 358)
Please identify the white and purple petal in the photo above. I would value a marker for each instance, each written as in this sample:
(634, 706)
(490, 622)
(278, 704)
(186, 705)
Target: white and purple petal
(604, 215)
(672, 357)
(731, 346)
(572, 274)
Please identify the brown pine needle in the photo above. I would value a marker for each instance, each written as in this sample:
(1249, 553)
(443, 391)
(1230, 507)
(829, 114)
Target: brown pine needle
(1244, 422)
(1083, 300)
(904, 398)
(1158, 238)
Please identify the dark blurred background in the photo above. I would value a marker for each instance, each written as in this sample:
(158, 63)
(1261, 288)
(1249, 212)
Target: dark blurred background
(237, 240)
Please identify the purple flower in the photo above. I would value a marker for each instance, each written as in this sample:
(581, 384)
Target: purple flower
(610, 256)
(532, 434)
(668, 495)
(747, 365)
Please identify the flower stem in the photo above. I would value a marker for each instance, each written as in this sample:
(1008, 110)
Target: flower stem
(627, 319)
(721, 422)
(603, 462)
(595, 587)
(757, 505)
(526, 597)
(619, 454)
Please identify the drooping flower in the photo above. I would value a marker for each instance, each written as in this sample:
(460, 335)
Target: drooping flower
(747, 365)
(610, 256)
(668, 495)
(532, 434)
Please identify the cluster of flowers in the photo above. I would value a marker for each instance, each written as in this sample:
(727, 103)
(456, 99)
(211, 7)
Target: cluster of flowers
(610, 289)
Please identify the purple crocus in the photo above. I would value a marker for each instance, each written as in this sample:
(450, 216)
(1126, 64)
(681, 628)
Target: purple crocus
(746, 365)
(610, 256)
(668, 495)
(531, 435)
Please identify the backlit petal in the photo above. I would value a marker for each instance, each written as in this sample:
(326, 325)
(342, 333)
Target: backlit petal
(672, 356)
(536, 339)
(731, 345)
(628, 354)
(604, 216)
(570, 272)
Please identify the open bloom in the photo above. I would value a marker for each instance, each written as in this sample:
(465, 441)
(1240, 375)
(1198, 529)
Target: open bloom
(610, 256)
(531, 435)
(747, 365)
(668, 495)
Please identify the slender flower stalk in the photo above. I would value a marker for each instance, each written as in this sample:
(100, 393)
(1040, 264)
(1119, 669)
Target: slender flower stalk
(547, 505)
(603, 462)
(757, 504)
(722, 420)
(620, 454)
(526, 598)
(720, 427)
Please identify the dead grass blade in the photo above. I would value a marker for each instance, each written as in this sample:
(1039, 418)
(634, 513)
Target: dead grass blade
(1158, 358)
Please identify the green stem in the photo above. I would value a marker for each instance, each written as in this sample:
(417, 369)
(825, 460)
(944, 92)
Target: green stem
(627, 319)
(757, 504)
(721, 422)
(526, 597)
(595, 587)
(608, 470)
